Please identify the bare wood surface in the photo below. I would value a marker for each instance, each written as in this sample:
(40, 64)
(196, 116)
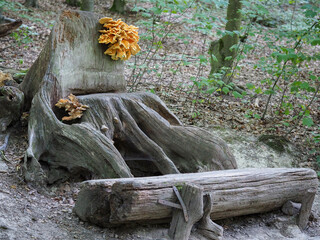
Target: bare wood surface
(192, 197)
(11, 102)
(206, 226)
(306, 205)
(8, 25)
(234, 192)
(291, 208)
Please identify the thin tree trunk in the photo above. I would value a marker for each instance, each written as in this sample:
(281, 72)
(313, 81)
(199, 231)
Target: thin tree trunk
(87, 5)
(221, 48)
(74, 3)
(31, 3)
(118, 6)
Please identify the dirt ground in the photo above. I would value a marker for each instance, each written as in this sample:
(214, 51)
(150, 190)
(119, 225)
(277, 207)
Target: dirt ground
(29, 212)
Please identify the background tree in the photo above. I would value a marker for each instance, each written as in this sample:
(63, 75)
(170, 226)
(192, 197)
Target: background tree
(222, 49)
(87, 5)
(31, 3)
(118, 6)
(74, 3)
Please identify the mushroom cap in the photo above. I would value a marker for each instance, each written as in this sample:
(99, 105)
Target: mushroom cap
(73, 106)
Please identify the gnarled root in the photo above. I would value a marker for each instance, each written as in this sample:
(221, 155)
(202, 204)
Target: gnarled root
(115, 130)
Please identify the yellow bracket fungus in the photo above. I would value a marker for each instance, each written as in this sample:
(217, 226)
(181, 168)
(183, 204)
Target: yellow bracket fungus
(122, 40)
(73, 106)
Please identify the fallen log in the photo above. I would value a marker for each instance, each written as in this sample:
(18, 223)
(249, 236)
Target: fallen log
(7, 25)
(233, 193)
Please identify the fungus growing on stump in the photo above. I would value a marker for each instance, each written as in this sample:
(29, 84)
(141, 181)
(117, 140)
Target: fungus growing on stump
(72, 106)
(121, 39)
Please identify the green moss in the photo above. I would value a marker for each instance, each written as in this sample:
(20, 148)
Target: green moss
(277, 143)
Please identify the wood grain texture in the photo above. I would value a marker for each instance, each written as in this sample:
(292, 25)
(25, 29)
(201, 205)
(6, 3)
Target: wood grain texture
(11, 105)
(234, 192)
(192, 196)
(206, 226)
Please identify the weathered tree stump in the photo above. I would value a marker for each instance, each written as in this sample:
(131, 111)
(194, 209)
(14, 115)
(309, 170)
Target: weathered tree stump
(233, 192)
(121, 134)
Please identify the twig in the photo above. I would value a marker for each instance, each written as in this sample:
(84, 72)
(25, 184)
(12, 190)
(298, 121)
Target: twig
(3, 191)
(307, 107)
(282, 70)
(168, 29)
(293, 13)
(274, 85)
(3, 157)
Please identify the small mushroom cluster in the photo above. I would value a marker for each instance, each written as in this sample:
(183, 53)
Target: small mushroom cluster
(121, 38)
(73, 106)
(6, 79)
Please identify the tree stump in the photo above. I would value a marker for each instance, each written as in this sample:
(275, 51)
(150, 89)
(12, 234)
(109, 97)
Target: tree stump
(121, 134)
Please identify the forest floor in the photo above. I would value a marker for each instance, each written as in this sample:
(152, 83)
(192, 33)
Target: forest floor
(32, 213)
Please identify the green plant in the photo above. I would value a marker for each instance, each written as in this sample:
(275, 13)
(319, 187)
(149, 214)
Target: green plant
(316, 151)
(287, 92)
(12, 6)
(284, 67)
(160, 22)
(23, 36)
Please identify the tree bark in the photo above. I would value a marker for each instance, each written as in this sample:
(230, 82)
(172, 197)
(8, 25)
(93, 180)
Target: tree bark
(74, 3)
(206, 226)
(87, 5)
(1, 16)
(233, 192)
(121, 134)
(118, 6)
(31, 3)
(7, 25)
(221, 48)
(11, 102)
